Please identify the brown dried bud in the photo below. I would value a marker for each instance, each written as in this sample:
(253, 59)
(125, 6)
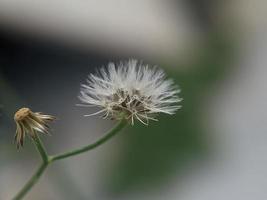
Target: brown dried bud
(31, 123)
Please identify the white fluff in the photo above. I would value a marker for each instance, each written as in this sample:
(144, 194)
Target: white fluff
(130, 90)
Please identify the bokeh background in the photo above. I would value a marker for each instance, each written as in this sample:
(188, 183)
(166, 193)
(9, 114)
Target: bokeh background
(213, 148)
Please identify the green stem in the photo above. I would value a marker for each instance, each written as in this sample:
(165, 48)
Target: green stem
(40, 147)
(46, 160)
(34, 179)
(102, 140)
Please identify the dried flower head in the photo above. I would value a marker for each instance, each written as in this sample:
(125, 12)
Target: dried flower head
(30, 122)
(130, 90)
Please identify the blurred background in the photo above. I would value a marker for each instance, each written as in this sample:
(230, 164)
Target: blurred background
(213, 148)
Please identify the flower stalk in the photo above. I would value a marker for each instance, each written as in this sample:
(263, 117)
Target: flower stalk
(46, 159)
(89, 147)
(33, 180)
(41, 149)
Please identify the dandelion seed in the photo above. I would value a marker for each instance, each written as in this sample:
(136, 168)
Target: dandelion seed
(31, 123)
(130, 90)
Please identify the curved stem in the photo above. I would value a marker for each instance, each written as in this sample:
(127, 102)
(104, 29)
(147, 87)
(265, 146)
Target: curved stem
(34, 179)
(46, 160)
(102, 140)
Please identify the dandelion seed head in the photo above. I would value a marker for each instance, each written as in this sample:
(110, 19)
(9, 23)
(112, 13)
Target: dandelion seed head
(130, 90)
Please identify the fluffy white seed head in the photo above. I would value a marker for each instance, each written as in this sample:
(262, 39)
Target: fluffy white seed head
(130, 90)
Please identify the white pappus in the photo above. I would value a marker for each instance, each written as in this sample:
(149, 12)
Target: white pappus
(130, 90)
